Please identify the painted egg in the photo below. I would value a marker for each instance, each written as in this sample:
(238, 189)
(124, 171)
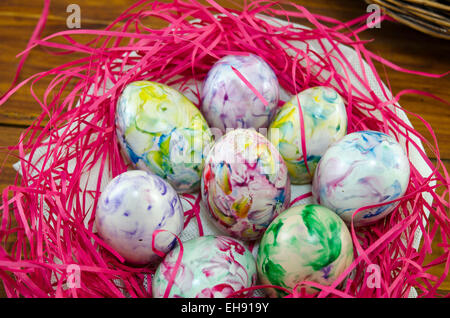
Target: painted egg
(304, 243)
(211, 267)
(245, 184)
(244, 97)
(161, 131)
(325, 122)
(132, 207)
(364, 168)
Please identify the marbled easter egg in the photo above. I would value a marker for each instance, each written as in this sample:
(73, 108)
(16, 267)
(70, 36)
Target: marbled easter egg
(304, 243)
(132, 207)
(211, 267)
(364, 168)
(245, 184)
(161, 131)
(227, 100)
(325, 122)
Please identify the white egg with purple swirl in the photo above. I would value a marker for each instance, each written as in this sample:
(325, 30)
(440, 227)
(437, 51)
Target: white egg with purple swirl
(131, 208)
(362, 169)
(240, 91)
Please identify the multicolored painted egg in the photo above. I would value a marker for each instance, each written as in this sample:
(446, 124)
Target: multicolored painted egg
(161, 131)
(211, 267)
(245, 184)
(228, 101)
(325, 122)
(304, 243)
(132, 207)
(364, 168)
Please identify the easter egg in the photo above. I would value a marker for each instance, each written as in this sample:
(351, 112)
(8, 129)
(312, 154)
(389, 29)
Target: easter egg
(161, 131)
(211, 267)
(325, 122)
(364, 168)
(131, 208)
(245, 184)
(229, 102)
(304, 243)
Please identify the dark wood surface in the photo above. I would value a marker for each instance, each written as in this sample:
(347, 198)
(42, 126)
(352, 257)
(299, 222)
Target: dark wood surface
(395, 42)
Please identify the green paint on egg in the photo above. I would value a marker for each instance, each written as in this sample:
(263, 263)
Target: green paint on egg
(305, 242)
(164, 145)
(275, 228)
(275, 272)
(327, 235)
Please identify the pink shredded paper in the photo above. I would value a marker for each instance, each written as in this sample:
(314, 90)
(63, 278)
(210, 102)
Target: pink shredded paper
(45, 211)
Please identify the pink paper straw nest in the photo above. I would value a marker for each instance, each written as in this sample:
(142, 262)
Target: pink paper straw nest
(49, 211)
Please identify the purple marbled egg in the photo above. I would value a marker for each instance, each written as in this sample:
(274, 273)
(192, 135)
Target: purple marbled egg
(228, 102)
(131, 208)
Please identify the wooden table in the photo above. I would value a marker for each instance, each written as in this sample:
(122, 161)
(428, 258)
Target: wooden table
(397, 43)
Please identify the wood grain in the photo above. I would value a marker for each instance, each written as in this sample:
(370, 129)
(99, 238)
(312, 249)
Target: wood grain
(397, 43)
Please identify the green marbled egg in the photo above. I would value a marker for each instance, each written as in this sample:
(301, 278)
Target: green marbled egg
(304, 243)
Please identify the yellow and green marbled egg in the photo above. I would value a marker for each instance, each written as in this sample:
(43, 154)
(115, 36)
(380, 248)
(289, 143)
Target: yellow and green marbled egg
(161, 131)
(325, 121)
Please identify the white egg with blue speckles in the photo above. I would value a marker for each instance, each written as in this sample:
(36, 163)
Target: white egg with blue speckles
(362, 169)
